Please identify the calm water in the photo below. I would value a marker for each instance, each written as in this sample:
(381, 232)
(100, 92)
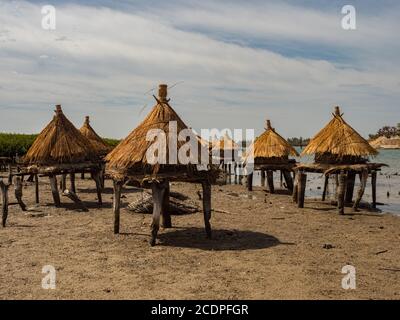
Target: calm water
(388, 183)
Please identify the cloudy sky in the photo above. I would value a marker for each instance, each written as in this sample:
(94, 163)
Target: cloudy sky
(234, 63)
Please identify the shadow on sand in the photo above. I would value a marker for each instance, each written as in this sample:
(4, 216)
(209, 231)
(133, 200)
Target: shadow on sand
(222, 239)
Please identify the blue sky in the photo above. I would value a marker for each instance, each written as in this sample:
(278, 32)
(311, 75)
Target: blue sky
(236, 63)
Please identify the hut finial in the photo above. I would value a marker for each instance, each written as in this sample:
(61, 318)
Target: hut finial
(337, 111)
(58, 109)
(268, 124)
(163, 92)
(87, 120)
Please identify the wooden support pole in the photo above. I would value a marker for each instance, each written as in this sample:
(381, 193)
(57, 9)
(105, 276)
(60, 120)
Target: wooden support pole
(10, 175)
(54, 190)
(262, 178)
(270, 181)
(341, 192)
(83, 175)
(373, 185)
(18, 192)
(326, 183)
(250, 181)
(63, 182)
(296, 187)
(301, 189)
(4, 195)
(360, 193)
(36, 189)
(117, 204)
(288, 179)
(281, 179)
(72, 181)
(158, 190)
(71, 195)
(97, 180)
(350, 182)
(206, 185)
(165, 211)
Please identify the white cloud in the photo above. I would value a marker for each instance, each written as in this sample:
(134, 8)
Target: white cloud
(101, 61)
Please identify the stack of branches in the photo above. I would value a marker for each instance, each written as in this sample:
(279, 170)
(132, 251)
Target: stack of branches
(177, 204)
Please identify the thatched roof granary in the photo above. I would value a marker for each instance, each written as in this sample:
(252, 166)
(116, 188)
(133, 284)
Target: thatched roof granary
(270, 152)
(129, 156)
(99, 145)
(224, 143)
(128, 162)
(338, 142)
(270, 147)
(61, 149)
(59, 143)
(340, 151)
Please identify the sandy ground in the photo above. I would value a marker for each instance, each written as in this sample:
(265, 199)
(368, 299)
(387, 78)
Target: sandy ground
(263, 248)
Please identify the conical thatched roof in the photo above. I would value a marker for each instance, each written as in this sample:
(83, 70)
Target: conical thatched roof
(225, 142)
(98, 144)
(270, 145)
(386, 143)
(339, 140)
(130, 153)
(59, 143)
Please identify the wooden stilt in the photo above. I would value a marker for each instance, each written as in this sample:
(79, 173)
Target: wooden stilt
(10, 175)
(72, 181)
(54, 190)
(337, 185)
(71, 195)
(350, 181)
(341, 192)
(288, 179)
(326, 183)
(301, 189)
(158, 190)
(63, 182)
(270, 181)
(281, 179)
(250, 182)
(165, 213)
(4, 195)
(83, 175)
(18, 192)
(97, 180)
(296, 187)
(117, 204)
(360, 193)
(36, 189)
(262, 178)
(373, 185)
(207, 206)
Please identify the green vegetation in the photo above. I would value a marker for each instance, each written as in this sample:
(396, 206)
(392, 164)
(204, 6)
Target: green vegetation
(12, 143)
(386, 131)
(298, 142)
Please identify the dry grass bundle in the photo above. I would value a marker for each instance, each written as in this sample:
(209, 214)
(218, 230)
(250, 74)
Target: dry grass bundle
(101, 148)
(59, 143)
(131, 152)
(339, 141)
(270, 145)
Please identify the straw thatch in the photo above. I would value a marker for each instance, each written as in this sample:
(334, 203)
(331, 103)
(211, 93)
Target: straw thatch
(99, 145)
(130, 153)
(270, 147)
(59, 143)
(339, 142)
